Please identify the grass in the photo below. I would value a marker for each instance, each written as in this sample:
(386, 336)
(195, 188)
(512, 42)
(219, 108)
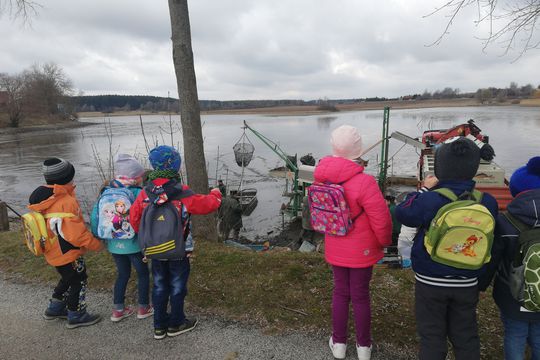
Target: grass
(280, 291)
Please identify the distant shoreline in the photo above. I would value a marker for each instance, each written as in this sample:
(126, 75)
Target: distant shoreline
(312, 109)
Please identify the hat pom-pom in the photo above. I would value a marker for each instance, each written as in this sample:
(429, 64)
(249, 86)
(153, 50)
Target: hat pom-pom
(533, 166)
(487, 153)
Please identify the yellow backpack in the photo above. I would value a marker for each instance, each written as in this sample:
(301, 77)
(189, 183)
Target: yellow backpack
(36, 235)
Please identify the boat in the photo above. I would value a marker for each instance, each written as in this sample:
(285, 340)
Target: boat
(489, 178)
(247, 198)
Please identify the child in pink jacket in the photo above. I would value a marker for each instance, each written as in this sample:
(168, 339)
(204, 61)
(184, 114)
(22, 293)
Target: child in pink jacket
(352, 256)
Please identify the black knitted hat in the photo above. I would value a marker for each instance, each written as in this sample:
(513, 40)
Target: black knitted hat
(458, 160)
(58, 171)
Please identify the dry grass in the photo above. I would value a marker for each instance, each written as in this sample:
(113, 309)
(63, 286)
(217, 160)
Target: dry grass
(280, 291)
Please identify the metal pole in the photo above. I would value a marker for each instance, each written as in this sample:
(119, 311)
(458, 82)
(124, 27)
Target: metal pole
(217, 165)
(384, 149)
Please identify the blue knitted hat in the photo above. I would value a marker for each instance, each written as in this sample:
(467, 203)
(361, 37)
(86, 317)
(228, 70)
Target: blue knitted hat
(526, 177)
(165, 158)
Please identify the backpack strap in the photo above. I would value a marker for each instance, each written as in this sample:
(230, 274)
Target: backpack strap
(58, 215)
(447, 193)
(518, 224)
(116, 184)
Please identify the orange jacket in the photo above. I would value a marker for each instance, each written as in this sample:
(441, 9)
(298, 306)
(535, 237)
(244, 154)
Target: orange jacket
(71, 229)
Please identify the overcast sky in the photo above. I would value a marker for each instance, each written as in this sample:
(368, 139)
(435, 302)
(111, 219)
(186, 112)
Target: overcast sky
(263, 49)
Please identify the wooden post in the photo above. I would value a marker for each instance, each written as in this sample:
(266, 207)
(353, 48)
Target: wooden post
(4, 220)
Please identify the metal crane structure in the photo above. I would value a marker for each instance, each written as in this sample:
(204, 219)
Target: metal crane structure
(293, 208)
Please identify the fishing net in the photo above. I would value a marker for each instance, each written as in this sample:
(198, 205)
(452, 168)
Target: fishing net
(243, 151)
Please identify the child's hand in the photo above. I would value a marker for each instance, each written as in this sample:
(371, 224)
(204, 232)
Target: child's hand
(430, 181)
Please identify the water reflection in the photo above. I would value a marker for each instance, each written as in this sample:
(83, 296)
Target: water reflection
(513, 133)
(324, 122)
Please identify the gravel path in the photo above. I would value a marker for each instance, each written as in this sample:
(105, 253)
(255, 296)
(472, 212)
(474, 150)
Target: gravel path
(25, 335)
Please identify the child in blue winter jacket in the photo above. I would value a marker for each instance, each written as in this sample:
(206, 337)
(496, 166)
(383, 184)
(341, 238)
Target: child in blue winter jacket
(521, 326)
(110, 222)
(445, 297)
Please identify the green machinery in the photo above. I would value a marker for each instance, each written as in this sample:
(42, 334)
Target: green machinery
(383, 165)
(295, 203)
(294, 207)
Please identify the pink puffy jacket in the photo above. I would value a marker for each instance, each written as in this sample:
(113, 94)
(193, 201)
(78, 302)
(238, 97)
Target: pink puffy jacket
(363, 244)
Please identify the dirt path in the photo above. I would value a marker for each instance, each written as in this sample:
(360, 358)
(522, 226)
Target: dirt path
(25, 335)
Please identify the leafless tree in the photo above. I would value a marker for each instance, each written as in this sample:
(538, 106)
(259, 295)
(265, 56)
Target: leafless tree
(512, 24)
(14, 86)
(21, 9)
(204, 227)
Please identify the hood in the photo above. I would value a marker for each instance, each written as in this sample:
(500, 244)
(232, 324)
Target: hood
(526, 207)
(336, 170)
(58, 191)
(170, 187)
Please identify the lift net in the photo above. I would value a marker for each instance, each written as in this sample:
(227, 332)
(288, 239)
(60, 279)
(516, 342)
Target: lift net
(243, 151)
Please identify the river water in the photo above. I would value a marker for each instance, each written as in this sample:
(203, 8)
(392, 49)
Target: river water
(514, 132)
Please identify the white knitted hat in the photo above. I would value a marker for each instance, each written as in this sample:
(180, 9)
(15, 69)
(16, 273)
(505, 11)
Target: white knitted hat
(127, 165)
(346, 142)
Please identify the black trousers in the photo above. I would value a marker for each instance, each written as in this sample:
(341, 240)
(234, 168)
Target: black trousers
(443, 312)
(72, 285)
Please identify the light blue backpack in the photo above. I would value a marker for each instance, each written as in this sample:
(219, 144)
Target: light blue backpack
(111, 217)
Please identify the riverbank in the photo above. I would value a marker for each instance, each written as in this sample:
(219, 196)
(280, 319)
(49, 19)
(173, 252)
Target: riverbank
(72, 124)
(278, 292)
(313, 109)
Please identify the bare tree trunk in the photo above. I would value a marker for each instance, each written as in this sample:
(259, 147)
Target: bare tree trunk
(204, 227)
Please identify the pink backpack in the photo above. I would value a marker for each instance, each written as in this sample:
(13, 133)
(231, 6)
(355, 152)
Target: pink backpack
(329, 210)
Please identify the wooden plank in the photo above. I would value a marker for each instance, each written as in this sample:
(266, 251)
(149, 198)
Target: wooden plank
(4, 220)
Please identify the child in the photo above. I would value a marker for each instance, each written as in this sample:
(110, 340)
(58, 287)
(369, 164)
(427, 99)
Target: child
(171, 276)
(520, 325)
(352, 256)
(446, 297)
(73, 241)
(396, 225)
(121, 241)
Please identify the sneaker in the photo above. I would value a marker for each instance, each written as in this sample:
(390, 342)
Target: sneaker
(338, 350)
(188, 325)
(160, 334)
(364, 352)
(55, 310)
(118, 315)
(81, 318)
(145, 312)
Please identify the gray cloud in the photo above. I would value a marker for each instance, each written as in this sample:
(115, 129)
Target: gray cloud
(264, 49)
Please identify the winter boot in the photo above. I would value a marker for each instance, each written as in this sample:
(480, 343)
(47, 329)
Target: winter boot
(55, 310)
(81, 318)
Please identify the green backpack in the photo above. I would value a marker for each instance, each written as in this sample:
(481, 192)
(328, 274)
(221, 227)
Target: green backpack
(461, 234)
(524, 277)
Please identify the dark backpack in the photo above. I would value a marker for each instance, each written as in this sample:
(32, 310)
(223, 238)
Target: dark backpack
(162, 232)
(523, 279)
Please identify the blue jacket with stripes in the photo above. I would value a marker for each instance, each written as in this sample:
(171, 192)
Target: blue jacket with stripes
(417, 210)
(526, 208)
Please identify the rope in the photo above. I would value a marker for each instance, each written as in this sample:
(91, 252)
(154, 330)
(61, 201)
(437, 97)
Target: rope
(10, 208)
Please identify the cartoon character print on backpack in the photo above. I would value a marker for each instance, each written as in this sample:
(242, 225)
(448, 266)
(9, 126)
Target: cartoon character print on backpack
(461, 233)
(113, 214)
(524, 277)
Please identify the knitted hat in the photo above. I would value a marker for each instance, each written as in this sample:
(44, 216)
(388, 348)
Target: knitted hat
(346, 142)
(57, 171)
(526, 177)
(458, 160)
(165, 158)
(126, 165)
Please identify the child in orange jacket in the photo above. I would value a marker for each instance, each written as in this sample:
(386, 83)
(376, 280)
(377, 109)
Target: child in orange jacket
(73, 240)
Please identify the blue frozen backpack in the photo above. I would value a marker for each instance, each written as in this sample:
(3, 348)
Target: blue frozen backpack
(112, 215)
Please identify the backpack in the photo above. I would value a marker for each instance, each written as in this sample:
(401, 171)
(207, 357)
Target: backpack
(329, 211)
(113, 206)
(461, 233)
(523, 279)
(36, 235)
(162, 231)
